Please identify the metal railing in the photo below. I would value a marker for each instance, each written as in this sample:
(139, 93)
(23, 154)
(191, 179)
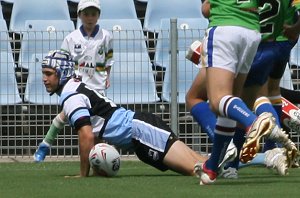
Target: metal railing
(23, 125)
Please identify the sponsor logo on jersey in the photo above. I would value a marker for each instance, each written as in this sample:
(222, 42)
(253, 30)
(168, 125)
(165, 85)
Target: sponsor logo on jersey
(77, 48)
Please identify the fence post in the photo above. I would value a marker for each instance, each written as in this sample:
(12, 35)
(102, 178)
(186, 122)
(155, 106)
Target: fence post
(174, 94)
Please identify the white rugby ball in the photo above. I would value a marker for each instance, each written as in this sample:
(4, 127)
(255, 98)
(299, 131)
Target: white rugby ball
(105, 160)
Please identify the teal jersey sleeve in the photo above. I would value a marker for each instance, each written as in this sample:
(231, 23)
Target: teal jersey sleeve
(234, 13)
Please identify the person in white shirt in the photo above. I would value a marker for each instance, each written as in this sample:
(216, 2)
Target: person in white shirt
(91, 47)
(92, 51)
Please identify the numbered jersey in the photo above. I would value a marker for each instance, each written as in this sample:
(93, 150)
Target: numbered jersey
(272, 14)
(82, 104)
(92, 55)
(234, 13)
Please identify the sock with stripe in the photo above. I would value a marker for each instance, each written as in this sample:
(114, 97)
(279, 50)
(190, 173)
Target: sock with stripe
(234, 108)
(205, 118)
(263, 104)
(277, 104)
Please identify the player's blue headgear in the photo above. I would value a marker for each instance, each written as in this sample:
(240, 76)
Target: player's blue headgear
(62, 62)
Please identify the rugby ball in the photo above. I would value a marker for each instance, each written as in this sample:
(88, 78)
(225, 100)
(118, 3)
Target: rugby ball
(105, 160)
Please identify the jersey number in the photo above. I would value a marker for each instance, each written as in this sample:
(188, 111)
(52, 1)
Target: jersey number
(270, 10)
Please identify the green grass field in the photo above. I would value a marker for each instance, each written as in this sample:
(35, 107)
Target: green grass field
(136, 179)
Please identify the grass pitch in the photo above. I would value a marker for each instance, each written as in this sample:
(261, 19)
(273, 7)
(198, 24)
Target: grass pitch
(136, 179)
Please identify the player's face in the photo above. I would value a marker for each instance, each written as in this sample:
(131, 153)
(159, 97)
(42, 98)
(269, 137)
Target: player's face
(50, 79)
(89, 17)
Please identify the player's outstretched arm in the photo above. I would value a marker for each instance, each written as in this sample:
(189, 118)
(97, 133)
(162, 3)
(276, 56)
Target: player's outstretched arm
(43, 149)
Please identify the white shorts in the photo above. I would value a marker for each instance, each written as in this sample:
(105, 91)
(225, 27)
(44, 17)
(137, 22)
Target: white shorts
(230, 47)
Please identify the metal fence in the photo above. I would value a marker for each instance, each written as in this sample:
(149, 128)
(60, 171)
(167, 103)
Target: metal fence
(143, 61)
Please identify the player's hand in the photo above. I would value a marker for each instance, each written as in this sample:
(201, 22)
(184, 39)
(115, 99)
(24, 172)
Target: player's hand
(41, 152)
(291, 32)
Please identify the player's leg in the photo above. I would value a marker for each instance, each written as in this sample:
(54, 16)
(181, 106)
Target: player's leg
(156, 144)
(275, 159)
(263, 104)
(196, 98)
(282, 54)
(282, 57)
(196, 101)
(221, 78)
(182, 159)
(257, 77)
(197, 92)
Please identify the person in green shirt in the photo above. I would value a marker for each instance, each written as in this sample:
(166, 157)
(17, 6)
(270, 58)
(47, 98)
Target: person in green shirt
(267, 70)
(228, 51)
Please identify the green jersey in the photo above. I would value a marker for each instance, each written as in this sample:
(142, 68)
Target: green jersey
(289, 17)
(271, 17)
(234, 13)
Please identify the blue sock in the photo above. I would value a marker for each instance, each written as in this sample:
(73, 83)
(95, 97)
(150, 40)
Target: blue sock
(278, 109)
(234, 108)
(277, 104)
(267, 107)
(258, 160)
(224, 132)
(219, 145)
(205, 118)
(238, 140)
(269, 145)
(263, 104)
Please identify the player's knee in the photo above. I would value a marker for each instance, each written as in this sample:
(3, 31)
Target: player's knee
(188, 101)
(214, 106)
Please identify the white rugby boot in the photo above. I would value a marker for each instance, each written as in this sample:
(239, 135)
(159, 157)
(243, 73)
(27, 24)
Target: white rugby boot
(277, 159)
(262, 126)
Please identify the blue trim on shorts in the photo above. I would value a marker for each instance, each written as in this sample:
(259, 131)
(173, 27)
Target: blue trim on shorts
(210, 46)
